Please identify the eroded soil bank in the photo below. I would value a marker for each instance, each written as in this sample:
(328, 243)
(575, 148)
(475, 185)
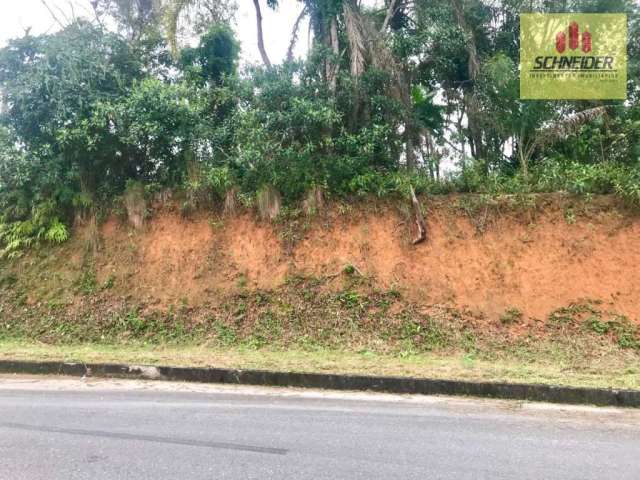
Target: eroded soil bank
(523, 277)
(534, 255)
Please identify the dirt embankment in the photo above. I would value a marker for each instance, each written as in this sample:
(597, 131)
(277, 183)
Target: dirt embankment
(481, 256)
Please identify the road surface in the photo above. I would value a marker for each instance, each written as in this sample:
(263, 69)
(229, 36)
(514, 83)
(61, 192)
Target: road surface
(106, 429)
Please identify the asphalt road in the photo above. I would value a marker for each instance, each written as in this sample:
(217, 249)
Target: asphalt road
(67, 429)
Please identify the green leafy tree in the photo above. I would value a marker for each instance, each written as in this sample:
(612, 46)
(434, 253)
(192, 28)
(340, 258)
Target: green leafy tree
(215, 57)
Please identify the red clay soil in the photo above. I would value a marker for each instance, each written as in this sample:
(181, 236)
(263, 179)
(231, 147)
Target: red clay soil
(535, 260)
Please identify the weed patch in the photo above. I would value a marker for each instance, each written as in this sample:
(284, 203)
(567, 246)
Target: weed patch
(511, 316)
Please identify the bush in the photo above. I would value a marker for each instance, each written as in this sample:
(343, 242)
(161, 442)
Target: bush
(15, 236)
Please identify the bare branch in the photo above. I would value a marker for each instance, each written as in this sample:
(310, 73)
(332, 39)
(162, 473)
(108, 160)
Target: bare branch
(96, 13)
(294, 34)
(52, 13)
(73, 11)
(391, 11)
(61, 12)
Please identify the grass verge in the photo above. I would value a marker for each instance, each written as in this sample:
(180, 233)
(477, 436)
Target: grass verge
(606, 374)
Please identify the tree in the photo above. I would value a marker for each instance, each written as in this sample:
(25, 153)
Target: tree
(217, 12)
(51, 85)
(86, 120)
(135, 18)
(214, 58)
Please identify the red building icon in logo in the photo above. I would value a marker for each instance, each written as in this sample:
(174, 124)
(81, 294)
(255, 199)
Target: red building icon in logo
(574, 39)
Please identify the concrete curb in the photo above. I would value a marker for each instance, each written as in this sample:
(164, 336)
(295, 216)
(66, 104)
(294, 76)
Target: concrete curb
(407, 385)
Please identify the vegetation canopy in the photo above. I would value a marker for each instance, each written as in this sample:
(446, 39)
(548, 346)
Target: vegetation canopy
(392, 98)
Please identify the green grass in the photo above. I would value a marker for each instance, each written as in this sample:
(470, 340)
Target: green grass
(318, 324)
(555, 369)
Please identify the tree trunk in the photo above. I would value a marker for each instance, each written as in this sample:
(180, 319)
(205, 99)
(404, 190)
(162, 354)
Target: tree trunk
(410, 148)
(473, 66)
(355, 30)
(524, 163)
(463, 143)
(294, 34)
(391, 11)
(431, 155)
(263, 52)
(332, 65)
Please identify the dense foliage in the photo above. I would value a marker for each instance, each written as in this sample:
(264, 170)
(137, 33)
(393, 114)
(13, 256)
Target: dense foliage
(420, 93)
